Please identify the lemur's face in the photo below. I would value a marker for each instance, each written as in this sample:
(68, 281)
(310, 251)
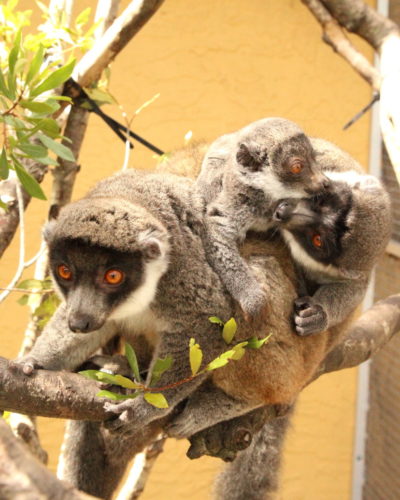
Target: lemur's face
(316, 226)
(284, 167)
(94, 281)
(293, 162)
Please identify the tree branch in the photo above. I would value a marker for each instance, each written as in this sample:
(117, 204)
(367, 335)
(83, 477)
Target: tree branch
(123, 29)
(87, 71)
(22, 476)
(334, 36)
(359, 18)
(384, 36)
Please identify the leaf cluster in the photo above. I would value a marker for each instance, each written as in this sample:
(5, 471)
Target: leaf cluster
(43, 303)
(160, 366)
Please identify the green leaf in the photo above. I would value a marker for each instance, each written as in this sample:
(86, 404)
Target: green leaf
(132, 360)
(59, 149)
(46, 125)
(119, 380)
(229, 330)
(99, 96)
(115, 396)
(239, 351)
(47, 307)
(156, 399)
(44, 108)
(217, 363)
(3, 165)
(255, 343)
(91, 374)
(30, 284)
(195, 356)
(55, 79)
(35, 64)
(83, 17)
(28, 182)
(3, 87)
(159, 367)
(13, 56)
(32, 150)
(47, 160)
(23, 300)
(216, 320)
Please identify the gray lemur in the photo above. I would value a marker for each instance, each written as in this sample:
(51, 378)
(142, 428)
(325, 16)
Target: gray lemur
(335, 239)
(242, 175)
(129, 259)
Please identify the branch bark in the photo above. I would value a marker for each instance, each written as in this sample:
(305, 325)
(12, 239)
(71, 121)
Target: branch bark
(123, 29)
(384, 36)
(334, 36)
(22, 476)
(69, 395)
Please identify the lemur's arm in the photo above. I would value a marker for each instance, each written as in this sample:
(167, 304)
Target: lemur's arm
(225, 228)
(329, 305)
(58, 348)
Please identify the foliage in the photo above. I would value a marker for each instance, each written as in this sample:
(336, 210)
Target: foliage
(162, 365)
(42, 300)
(32, 68)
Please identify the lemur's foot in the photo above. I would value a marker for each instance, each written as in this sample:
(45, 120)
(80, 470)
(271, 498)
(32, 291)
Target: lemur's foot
(252, 302)
(309, 317)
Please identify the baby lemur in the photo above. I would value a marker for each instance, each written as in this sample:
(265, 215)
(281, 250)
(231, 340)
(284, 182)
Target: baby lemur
(335, 239)
(242, 175)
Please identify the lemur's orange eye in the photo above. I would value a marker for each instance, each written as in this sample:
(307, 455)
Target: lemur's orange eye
(114, 277)
(296, 166)
(317, 240)
(64, 272)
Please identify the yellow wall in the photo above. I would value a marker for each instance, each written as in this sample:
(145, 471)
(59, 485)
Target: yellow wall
(219, 65)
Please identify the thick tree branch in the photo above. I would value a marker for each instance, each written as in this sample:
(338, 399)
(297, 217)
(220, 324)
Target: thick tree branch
(49, 394)
(384, 36)
(337, 39)
(123, 29)
(359, 18)
(69, 395)
(366, 337)
(22, 476)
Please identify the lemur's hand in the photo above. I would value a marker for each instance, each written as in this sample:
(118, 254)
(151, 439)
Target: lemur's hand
(309, 317)
(27, 364)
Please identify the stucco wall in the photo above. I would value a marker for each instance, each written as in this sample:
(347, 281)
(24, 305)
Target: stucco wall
(219, 65)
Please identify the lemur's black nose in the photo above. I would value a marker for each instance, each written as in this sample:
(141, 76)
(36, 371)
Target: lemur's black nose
(282, 211)
(80, 323)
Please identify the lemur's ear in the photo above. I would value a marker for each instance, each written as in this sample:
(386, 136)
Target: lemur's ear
(251, 156)
(48, 231)
(153, 244)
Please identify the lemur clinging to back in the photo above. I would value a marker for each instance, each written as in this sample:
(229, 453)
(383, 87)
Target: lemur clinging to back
(335, 238)
(242, 175)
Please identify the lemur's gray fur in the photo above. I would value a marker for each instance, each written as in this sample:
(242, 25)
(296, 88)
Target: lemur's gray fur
(243, 174)
(150, 227)
(352, 222)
